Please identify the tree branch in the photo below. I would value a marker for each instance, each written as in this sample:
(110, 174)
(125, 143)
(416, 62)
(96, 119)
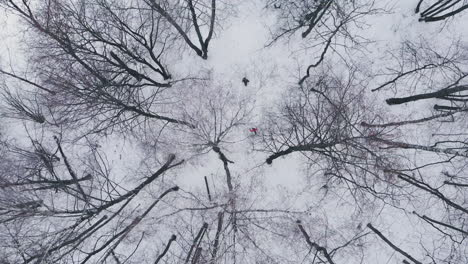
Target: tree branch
(392, 245)
(314, 245)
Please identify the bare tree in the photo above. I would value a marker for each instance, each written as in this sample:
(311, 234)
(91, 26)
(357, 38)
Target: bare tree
(89, 213)
(322, 120)
(110, 68)
(436, 77)
(106, 61)
(200, 15)
(326, 24)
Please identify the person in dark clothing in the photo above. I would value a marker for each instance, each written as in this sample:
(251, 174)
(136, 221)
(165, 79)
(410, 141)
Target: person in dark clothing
(245, 81)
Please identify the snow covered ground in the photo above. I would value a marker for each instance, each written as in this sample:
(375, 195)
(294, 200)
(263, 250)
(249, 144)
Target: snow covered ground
(270, 198)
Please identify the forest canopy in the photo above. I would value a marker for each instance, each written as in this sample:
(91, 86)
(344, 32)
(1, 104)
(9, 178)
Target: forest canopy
(234, 131)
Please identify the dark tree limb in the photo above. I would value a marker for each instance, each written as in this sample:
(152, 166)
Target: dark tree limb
(168, 165)
(71, 171)
(172, 239)
(322, 55)
(435, 6)
(207, 189)
(197, 27)
(53, 184)
(430, 220)
(225, 161)
(27, 81)
(308, 147)
(446, 108)
(403, 75)
(122, 64)
(68, 242)
(117, 260)
(179, 29)
(196, 241)
(155, 116)
(212, 23)
(418, 6)
(456, 184)
(314, 245)
(447, 151)
(399, 250)
(217, 236)
(438, 94)
(439, 18)
(315, 16)
(122, 234)
(197, 255)
(435, 12)
(429, 189)
(415, 121)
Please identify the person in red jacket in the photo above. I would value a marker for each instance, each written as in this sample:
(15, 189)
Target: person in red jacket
(253, 130)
